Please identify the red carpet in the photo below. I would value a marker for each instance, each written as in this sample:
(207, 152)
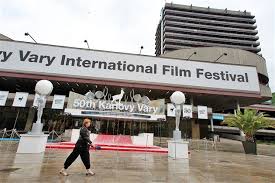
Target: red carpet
(113, 139)
(112, 143)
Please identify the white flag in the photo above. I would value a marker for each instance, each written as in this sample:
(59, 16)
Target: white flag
(20, 99)
(58, 101)
(202, 112)
(3, 97)
(171, 110)
(187, 111)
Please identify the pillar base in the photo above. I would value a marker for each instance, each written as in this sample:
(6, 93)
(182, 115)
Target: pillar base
(178, 149)
(32, 143)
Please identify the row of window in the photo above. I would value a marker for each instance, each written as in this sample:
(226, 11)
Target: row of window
(210, 28)
(210, 12)
(207, 39)
(206, 43)
(211, 35)
(214, 23)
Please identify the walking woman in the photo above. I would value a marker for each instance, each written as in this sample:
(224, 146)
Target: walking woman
(81, 148)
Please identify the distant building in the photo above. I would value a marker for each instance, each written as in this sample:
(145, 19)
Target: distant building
(183, 26)
(209, 54)
(3, 37)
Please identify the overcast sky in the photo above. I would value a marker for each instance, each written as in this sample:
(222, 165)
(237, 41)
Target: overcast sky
(117, 25)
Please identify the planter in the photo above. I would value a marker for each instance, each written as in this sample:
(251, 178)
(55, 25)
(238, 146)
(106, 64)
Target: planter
(250, 147)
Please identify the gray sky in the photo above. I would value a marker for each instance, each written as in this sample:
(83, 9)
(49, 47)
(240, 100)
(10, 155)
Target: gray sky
(117, 25)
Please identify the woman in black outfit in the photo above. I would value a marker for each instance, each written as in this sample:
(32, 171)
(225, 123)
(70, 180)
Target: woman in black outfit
(81, 148)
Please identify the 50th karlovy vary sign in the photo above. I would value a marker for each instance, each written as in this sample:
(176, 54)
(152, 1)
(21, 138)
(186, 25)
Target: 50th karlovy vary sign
(91, 64)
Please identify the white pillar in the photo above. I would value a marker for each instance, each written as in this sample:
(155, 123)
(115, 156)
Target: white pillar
(211, 124)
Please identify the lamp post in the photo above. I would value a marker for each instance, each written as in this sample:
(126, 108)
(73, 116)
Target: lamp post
(36, 140)
(28, 34)
(43, 88)
(177, 98)
(141, 48)
(85, 41)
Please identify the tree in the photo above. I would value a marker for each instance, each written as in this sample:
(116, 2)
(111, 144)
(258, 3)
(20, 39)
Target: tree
(249, 122)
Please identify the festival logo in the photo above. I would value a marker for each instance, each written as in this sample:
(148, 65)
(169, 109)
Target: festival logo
(104, 101)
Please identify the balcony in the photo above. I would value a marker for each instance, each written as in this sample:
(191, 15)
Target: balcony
(209, 27)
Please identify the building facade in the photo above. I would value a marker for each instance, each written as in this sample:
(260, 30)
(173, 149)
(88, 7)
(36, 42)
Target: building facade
(87, 81)
(208, 54)
(183, 26)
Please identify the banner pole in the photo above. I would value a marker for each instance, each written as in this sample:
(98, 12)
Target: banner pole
(15, 122)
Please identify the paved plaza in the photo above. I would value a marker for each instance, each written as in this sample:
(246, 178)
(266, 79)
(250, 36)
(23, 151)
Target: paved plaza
(112, 166)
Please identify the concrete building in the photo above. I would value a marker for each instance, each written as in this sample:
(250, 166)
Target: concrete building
(183, 26)
(210, 55)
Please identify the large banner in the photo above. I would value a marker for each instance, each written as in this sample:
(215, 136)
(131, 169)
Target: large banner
(202, 112)
(110, 66)
(78, 101)
(3, 97)
(187, 111)
(142, 109)
(20, 99)
(58, 101)
(171, 110)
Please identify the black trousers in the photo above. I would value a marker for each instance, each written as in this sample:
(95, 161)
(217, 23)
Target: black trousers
(84, 154)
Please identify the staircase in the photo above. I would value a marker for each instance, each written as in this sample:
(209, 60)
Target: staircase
(112, 143)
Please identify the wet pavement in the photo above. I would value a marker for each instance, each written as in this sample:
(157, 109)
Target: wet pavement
(112, 166)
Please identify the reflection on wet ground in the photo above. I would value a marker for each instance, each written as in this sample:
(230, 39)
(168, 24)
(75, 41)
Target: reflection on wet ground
(112, 166)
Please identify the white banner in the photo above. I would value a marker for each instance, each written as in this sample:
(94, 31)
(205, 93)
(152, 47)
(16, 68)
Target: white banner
(3, 97)
(40, 59)
(202, 112)
(20, 99)
(187, 111)
(171, 110)
(58, 101)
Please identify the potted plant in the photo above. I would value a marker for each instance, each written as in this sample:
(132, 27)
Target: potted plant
(249, 122)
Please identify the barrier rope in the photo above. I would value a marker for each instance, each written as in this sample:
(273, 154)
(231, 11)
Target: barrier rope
(9, 133)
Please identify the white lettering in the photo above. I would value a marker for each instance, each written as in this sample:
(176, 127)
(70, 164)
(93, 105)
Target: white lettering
(76, 103)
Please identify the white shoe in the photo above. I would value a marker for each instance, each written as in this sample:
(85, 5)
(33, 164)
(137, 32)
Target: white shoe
(63, 172)
(89, 172)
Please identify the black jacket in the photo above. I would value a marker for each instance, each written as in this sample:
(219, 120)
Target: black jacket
(84, 138)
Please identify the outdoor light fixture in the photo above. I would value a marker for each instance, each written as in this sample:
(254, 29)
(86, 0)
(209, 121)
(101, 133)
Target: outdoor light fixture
(28, 34)
(141, 48)
(85, 41)
(43, 88)
(177, 98)
(194, 53)
(35, 141)
(224, 54)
